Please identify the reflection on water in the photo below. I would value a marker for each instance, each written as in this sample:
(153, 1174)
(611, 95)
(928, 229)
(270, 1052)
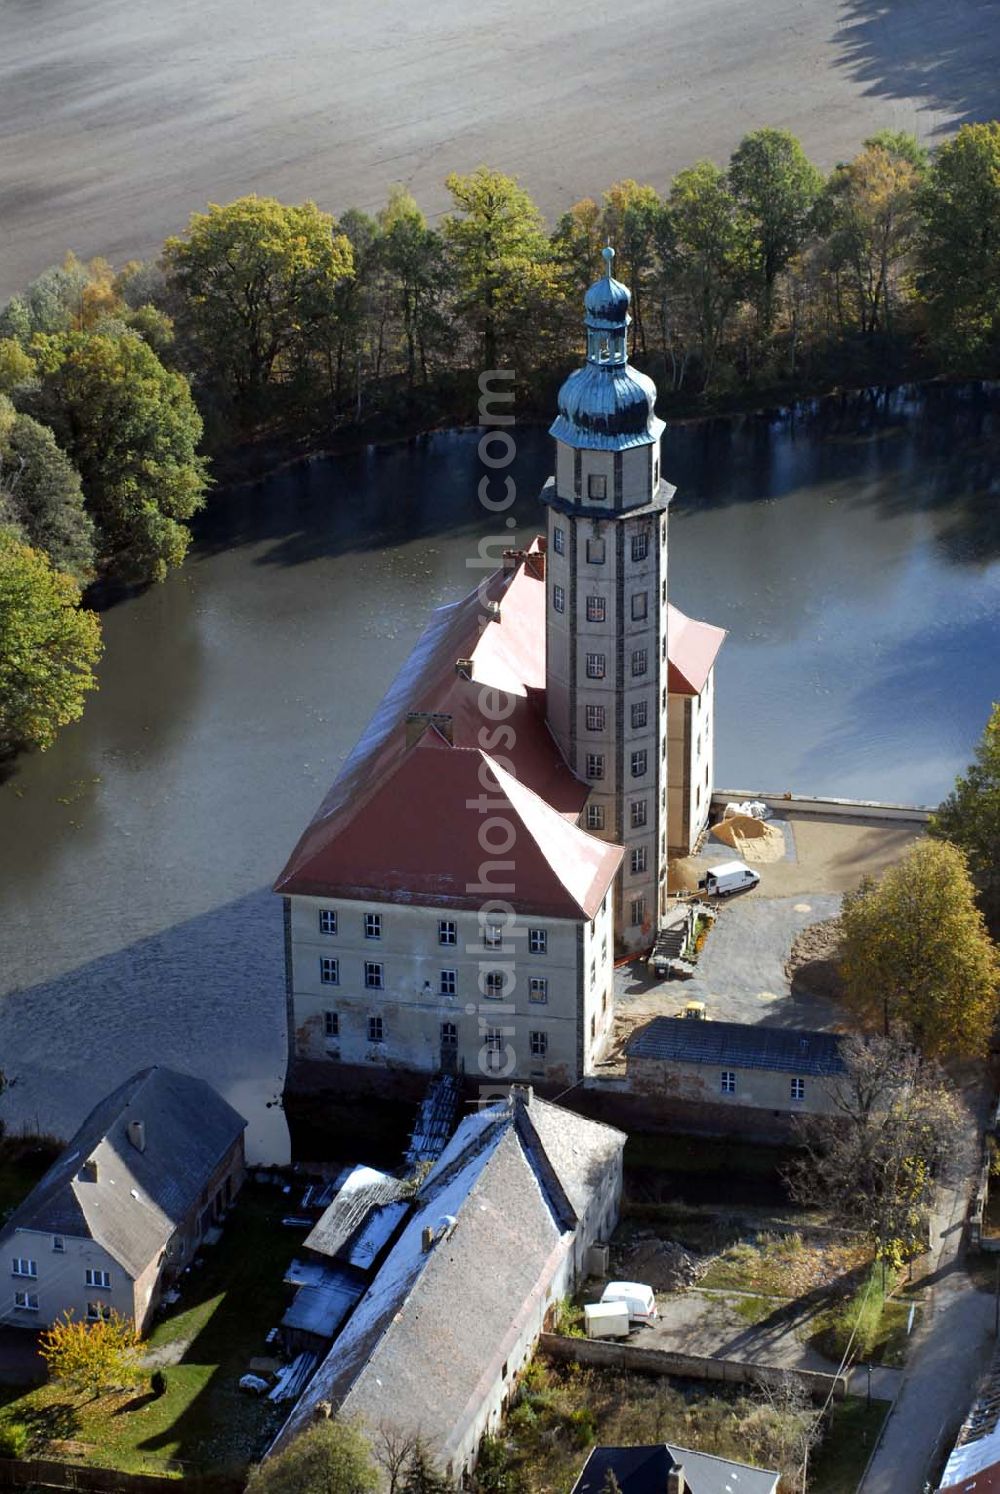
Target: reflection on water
(851, 548)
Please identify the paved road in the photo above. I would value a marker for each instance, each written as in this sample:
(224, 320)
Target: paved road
(118, 117)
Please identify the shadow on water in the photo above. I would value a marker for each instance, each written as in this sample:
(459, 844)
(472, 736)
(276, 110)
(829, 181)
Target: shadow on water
(944, 57)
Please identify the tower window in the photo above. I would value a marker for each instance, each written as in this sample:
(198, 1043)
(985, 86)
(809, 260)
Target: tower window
(596, 609)
(638, 861)
(558, 599)
(637, 811)
(595, 551)
(597, 486)
(640, 662)
(639, 604)
(640, 714)
(595, 764)
(639, 763)
(595, 816)
(559, 540)
(596, 718)
(640, 545)
(595, 666)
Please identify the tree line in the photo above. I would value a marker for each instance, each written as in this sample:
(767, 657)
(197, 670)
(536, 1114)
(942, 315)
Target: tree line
(265, 321)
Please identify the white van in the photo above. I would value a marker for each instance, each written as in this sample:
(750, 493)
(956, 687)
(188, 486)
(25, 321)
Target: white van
(727, 877)
(637, 1297)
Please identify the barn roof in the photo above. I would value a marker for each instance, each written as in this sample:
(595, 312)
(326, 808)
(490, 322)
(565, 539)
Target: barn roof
(737, 1045)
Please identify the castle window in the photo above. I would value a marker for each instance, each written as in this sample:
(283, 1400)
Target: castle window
(798, 1089)
(559, 540)
(638, 813)
(374, 975)
(538, 988)
(640, 662)
(596, 609)
(639, 604)
(493, 935)
(638, 862)
(447, 931)
(449, 1035)
(376, 1029)
(595, 816)
(329, 971)
(595, 552)
(595, 666)
(595, 764)
(373, 925)
(640, 545)
(640, 713)
(637, 910)
(558, 599)
(728, 1084)
(447, 982)
(538, 941)
(493, 984)
(539, 1044)
(595, 717)
(331, 1024)
(327, 921)
(639, 763)
(597, 486)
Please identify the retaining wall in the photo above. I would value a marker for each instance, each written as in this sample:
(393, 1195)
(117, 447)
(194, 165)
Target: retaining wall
(31, 1473)
(607, 1355)
(829, 809)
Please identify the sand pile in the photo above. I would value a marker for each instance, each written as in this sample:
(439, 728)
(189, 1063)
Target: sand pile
(662, 1264)
(751, 839)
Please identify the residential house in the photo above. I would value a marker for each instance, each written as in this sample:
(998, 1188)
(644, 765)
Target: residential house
(973, 1467)
(668, 1469)
(125, 1207)
(692, 649)
(500, 1230)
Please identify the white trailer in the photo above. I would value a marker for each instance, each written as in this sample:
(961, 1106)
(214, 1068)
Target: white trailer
(606, 1319)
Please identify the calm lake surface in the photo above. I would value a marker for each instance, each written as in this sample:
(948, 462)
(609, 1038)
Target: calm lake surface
(852, 549)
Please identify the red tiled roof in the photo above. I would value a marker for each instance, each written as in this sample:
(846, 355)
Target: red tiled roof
(692, 647)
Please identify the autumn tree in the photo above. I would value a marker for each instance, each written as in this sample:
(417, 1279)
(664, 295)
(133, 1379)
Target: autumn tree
(41, 495)
(48, 647)
(916, 959)
(871, 1162)
(251, 280)
(960, 244)
(506, 276)
(92, 1357)
(332, 1457)
(422, 1476)
(418, 280)
(131, 428)
(577, 241)
(873, 224)
(629, 221)
(970, 819)
(776, 185)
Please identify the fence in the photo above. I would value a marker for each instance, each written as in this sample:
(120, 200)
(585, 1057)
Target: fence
(607, 1355)
(23, 1473)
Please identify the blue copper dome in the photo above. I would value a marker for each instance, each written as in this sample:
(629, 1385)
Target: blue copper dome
(607, 404)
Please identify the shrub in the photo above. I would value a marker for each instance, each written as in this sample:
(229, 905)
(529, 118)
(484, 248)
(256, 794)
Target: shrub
(158, 1383)
(15, 1439)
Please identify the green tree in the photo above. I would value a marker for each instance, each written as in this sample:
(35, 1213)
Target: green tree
(704, 248)
(970, 819)
(777, 186)
(422, 1476)
(960, 245)
(872, 214)
(901, 146)
(631, 212)
(132, 429)
(496, 1472)
(48, 647)
(17, 367)
(40, 493)
(916, 960)
(92, 1357)
(505, 270)
(872, 1160)
(251, 281)
(413, 258)
(333, 1457)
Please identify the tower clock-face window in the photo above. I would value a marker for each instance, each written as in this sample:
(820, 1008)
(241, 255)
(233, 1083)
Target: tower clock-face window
(638, 606)
(597, 486)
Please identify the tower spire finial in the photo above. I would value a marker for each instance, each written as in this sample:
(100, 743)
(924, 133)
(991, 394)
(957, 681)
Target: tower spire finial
(608, 255)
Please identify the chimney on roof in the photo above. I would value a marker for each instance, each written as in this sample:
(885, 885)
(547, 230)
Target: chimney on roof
(523, 1092)
(512, 559)
(427, 1239)
(137, 1134)
(493, 611)
(534, 563)
(676, 1482)
(88, 1172)
(417, 722)
(463, 668)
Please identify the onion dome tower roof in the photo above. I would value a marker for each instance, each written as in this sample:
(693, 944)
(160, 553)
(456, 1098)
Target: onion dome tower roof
(607, 405)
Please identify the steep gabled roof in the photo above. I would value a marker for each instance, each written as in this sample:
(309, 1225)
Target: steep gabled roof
(643, 1470)
(692, 647)
(500, 1210)
(138, 1197)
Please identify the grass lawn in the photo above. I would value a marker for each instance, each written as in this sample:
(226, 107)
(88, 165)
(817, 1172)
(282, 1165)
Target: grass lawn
(838, 1463)
(784, 1265)
(202, 1422)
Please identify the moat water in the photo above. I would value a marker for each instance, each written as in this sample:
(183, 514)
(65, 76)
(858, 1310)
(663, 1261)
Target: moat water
(852, 549)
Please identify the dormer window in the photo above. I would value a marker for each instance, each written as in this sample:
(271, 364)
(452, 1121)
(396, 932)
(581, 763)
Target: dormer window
(597, 486)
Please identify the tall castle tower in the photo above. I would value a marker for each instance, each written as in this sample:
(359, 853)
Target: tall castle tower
(606, 604)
